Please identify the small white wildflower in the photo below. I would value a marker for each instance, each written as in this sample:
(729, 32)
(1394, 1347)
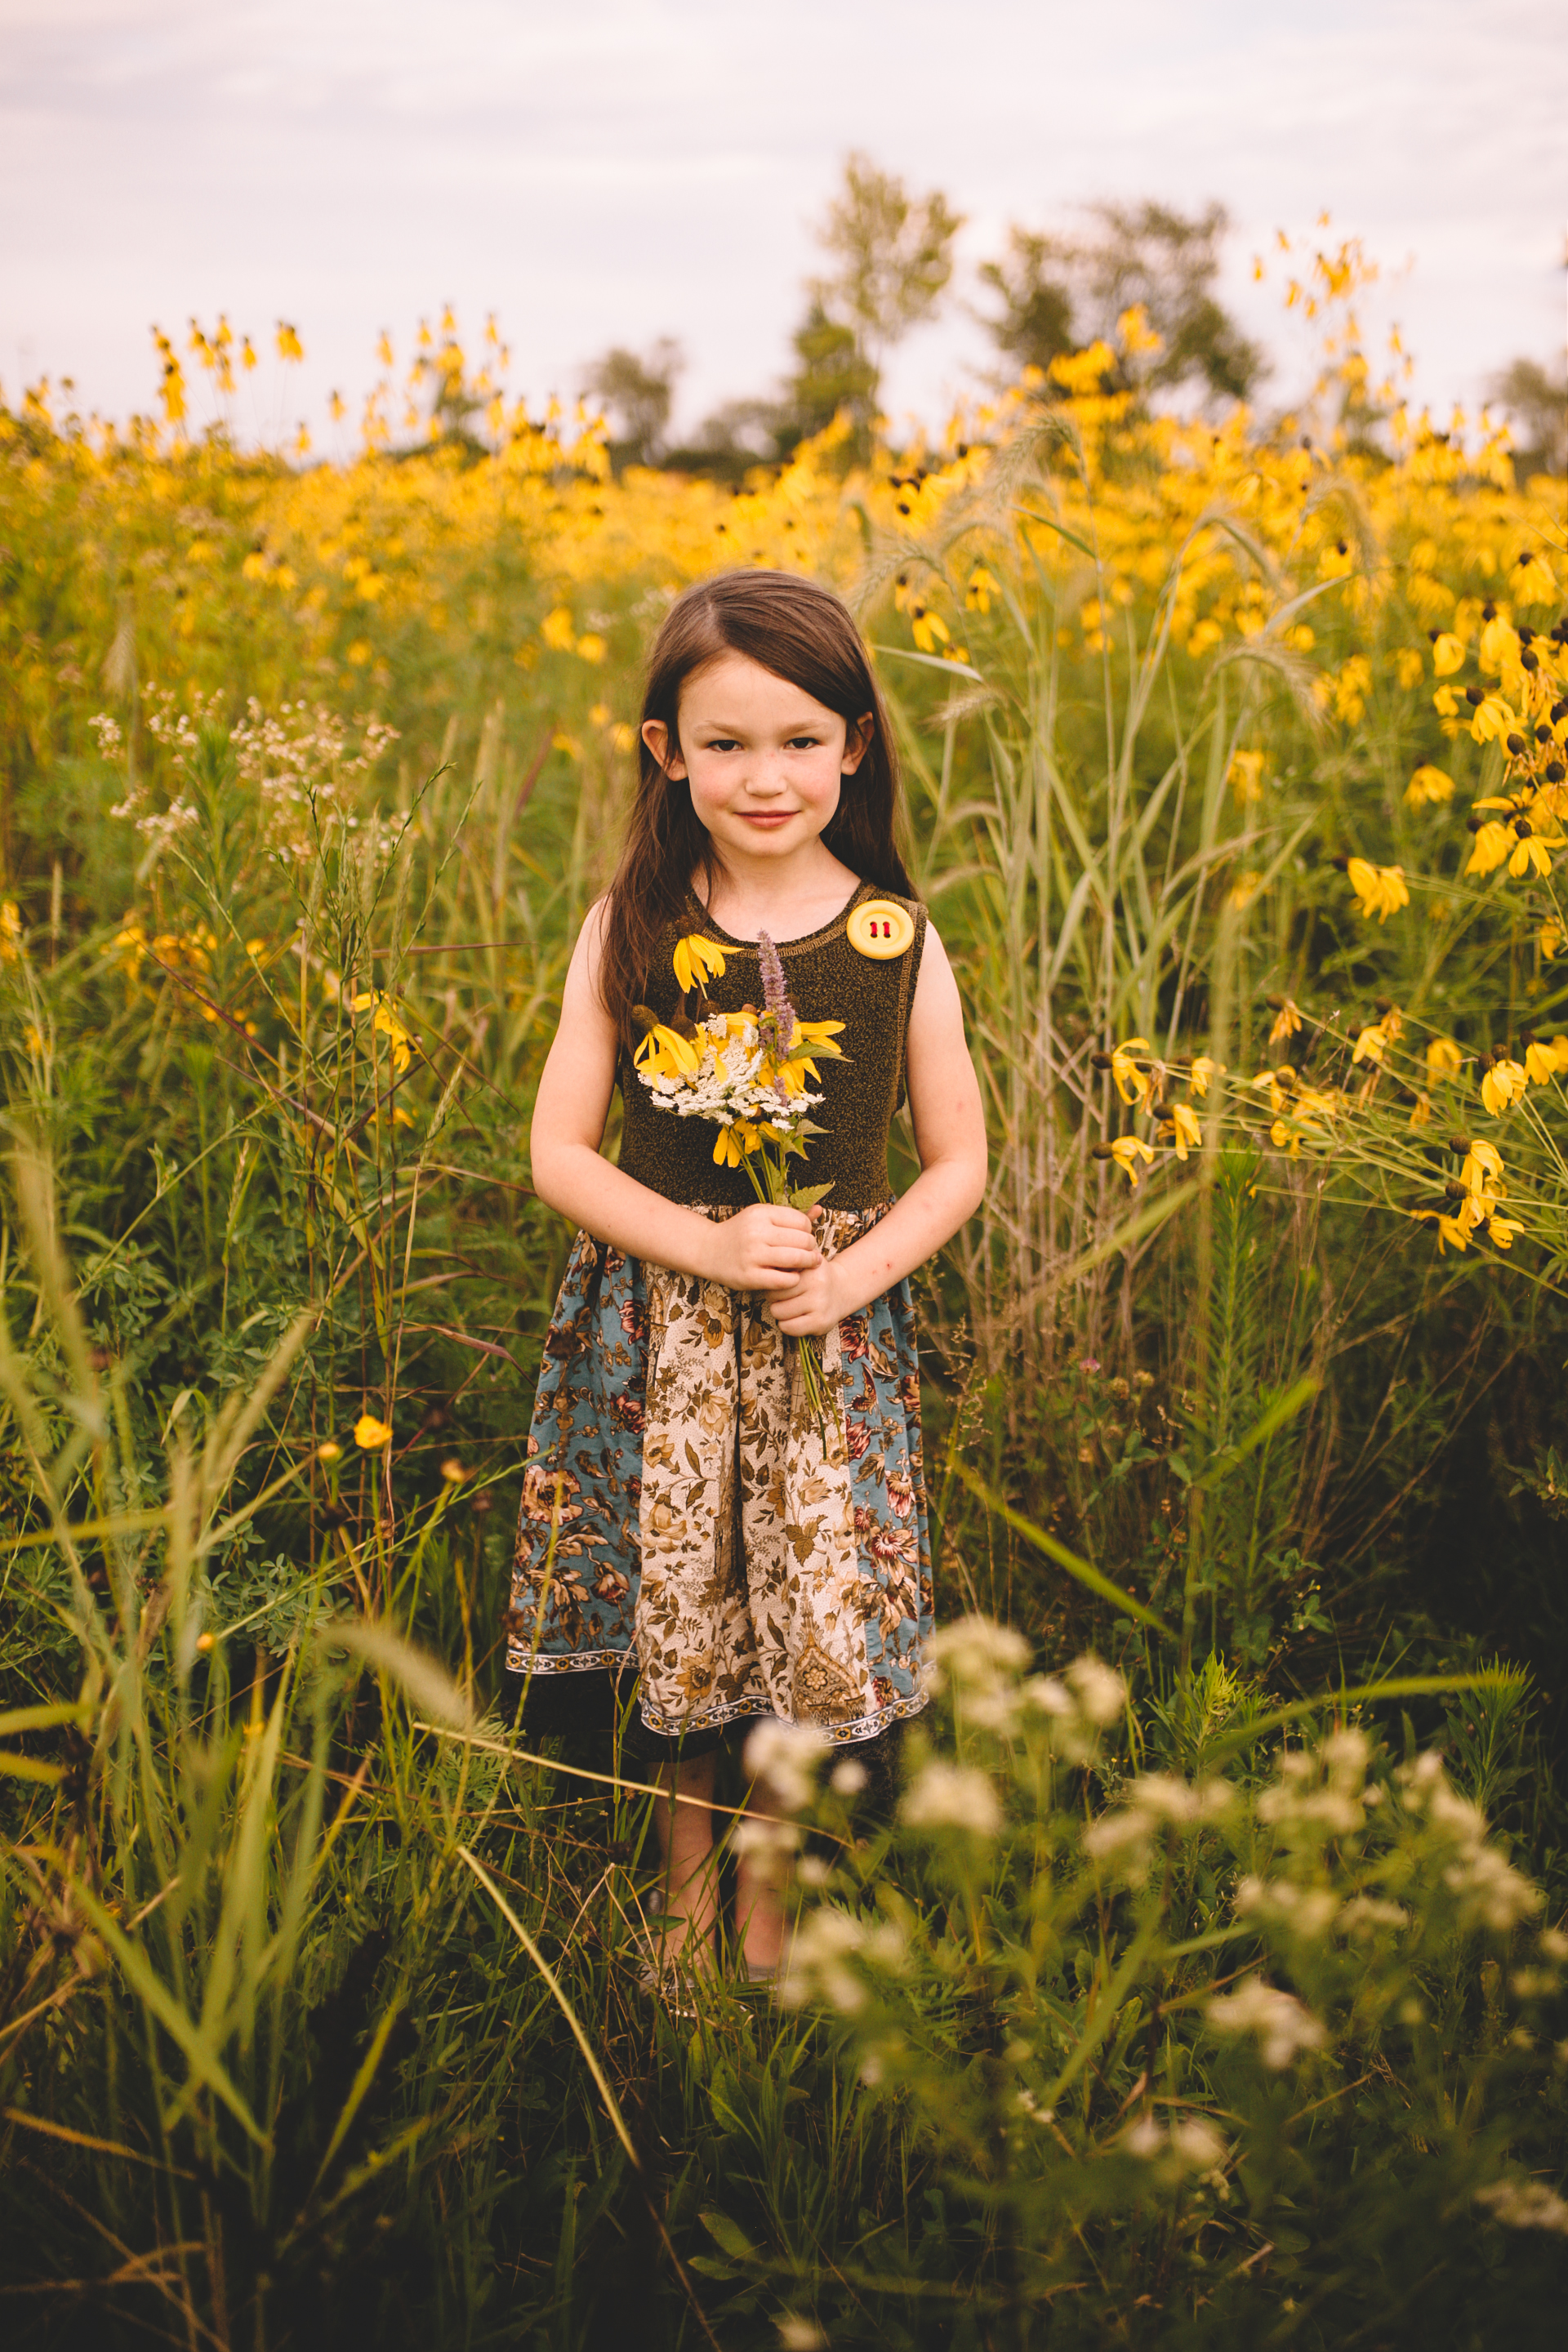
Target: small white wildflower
(1198, 2145)
(825, 1944)
(1099, 1689)
(952, 1796)
(1191, 2145)
(1347, 1754)
(1455, 1816)
(1050, 1695)
(797, 2335)
(1554, 1945)
(976, 1650)
(981, 1661)
(1183, 1801)
(782, 1757)
(1121, 1843)
(812, 1871)
(817, 1963)
(1363, 1915)
(1287, 1806)
(848, 1780)
(1306, 1911)
(1491, 1891)
(1281, 2024)
(1418, 1780)
(1525, 2205)
(764, 1842)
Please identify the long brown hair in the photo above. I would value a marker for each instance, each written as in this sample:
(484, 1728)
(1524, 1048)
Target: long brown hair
(801, 632)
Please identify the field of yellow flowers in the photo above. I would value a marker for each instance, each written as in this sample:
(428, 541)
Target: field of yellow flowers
(1236, 770)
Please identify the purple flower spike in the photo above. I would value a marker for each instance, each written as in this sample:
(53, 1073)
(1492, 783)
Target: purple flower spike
(775, 993)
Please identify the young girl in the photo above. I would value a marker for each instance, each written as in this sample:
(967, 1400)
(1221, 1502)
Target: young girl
(691, 1520)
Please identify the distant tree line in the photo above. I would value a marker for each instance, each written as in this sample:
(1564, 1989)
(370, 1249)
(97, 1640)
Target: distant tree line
(889, 267)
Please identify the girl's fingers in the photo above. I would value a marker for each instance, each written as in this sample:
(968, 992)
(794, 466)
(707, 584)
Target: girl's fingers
(782, 1273)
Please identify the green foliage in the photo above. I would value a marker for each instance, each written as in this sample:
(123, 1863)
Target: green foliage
(277, 1904)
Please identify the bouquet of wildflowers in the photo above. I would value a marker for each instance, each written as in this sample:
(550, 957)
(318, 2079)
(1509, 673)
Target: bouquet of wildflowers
(748, 1073)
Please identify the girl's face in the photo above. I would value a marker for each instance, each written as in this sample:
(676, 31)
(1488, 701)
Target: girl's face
(761, 758)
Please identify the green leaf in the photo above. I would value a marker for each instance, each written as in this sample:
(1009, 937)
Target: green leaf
(1053, 1548)
(30, 1767)
(809, 1195)
(1284, 1408)
(730, 2235)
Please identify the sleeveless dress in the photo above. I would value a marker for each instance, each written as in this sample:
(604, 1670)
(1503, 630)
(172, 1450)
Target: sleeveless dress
(688, 1523)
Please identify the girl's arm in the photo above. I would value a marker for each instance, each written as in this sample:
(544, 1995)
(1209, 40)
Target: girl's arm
(760, 1248)
(950, 1136)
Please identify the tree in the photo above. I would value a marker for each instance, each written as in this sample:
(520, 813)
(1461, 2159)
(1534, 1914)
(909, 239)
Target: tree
(894, 260)
(636, 395)
(1060, 291)
(1035, 324)
(1537, 407)
(894, 255)
(833, 372)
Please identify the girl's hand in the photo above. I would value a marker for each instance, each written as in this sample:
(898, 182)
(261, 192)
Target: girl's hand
(811, 1304)
(763, 1249)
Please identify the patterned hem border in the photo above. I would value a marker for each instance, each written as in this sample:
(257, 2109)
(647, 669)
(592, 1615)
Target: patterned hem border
(581, 1662)
(838, 1735)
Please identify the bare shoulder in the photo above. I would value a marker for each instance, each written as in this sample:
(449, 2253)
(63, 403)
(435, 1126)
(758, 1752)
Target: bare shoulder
(936, 990)
(588, 954)
(583, 997)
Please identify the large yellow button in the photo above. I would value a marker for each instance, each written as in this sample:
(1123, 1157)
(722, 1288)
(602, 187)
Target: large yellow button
(880, 928)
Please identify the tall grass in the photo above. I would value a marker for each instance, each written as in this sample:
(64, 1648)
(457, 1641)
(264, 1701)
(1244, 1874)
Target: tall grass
(320, 2006)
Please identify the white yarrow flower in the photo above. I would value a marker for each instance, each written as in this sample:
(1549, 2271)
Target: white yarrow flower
(784, 1757)
(952, 1796)
(1280, 2022)
(1525, 2205)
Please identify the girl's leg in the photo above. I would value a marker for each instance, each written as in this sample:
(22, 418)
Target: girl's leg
(685, 1834)
(758, 1876)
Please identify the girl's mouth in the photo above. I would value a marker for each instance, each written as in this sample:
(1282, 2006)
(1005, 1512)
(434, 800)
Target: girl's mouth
(768, 818)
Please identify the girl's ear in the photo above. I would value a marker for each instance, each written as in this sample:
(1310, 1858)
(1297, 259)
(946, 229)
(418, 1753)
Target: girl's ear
(857, 743)
(656, 735)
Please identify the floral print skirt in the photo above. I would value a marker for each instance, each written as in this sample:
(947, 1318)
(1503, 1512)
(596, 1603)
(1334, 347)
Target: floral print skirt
(687, 1519)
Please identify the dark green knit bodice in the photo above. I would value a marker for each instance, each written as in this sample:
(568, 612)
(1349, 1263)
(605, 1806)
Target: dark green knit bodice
(828, 981)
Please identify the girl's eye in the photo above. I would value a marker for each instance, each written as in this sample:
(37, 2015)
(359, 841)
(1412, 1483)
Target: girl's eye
(723, 743)
(802, 743)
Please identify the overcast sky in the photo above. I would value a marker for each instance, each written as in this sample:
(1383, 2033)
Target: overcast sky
(650, 167)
